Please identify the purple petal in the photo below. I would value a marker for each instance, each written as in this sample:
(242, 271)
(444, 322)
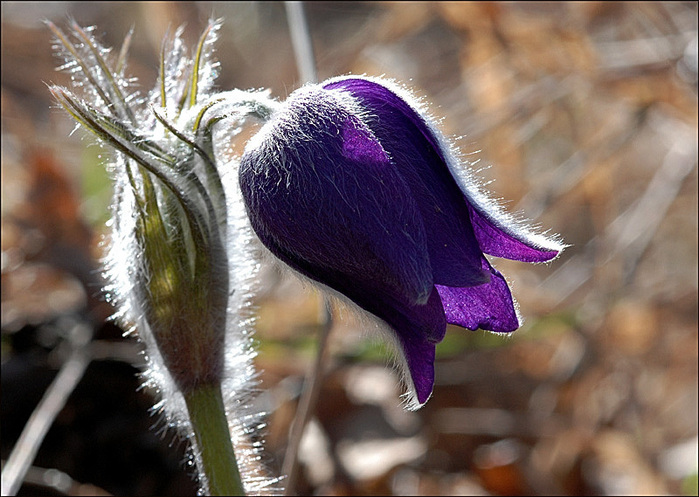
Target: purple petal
(406, 132)
(418, 329)
(499, 240)
(453, 248)
(489, 306)
(326, 200)
(426, 321)
(322, 194)
(419, 356)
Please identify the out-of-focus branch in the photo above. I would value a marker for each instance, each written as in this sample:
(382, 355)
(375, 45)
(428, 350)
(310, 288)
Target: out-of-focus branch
(301, 40)
(42, 418)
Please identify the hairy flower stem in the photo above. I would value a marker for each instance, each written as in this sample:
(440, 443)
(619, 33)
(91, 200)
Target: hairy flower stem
(208, 417)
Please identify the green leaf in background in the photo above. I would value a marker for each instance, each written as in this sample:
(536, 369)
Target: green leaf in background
(690, 485)
(96, 187)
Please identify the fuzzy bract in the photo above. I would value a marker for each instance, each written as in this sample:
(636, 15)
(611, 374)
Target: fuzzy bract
(351, 185)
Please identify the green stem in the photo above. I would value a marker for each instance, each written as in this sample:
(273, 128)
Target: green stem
(208, 417)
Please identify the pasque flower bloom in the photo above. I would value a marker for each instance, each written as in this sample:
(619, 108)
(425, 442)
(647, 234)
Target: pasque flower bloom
(351, 184)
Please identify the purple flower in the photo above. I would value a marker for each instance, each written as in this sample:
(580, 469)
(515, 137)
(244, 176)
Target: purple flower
(350, 184)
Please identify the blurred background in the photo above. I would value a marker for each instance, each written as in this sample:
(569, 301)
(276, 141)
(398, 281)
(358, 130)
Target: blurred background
(582, 116)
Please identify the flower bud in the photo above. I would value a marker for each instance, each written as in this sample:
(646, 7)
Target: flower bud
(179, 264)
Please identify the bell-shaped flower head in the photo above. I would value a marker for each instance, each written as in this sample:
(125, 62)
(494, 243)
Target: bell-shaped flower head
(351, 184)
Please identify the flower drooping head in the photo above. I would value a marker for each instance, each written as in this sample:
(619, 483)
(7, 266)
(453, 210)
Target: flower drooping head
(351, 185)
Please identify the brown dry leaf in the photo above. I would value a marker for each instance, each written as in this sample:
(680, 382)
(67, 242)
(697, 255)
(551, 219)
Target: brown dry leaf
(498, 466)
(615, 467)
(479, 17)
(558, 455)
(45, 227)
(631, 327)
(598, 186)
(654, 88)
(292, 309)
(533, 42)
(52, 205)
(403, 18)
(35, 293)
(490, 81)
